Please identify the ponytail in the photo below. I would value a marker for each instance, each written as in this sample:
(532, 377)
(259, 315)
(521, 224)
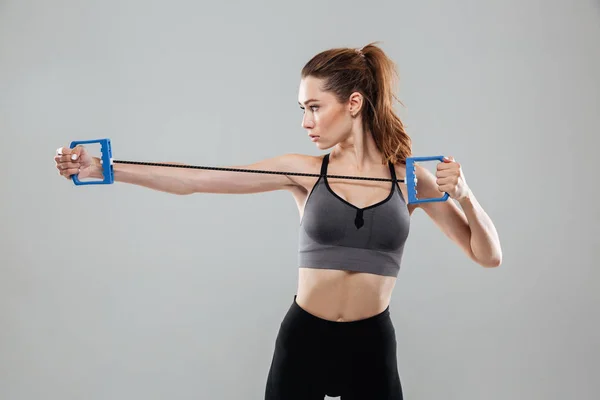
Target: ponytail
(387, 128)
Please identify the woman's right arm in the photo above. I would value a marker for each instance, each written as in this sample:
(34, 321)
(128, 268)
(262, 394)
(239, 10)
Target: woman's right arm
(183, 181)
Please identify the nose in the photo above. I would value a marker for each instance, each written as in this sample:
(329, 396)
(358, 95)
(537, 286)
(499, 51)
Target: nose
(307, 121)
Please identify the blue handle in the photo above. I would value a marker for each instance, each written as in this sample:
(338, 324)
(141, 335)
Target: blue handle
(411, 180)
(107, 168)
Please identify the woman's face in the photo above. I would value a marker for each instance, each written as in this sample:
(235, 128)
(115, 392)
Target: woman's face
(326, 120)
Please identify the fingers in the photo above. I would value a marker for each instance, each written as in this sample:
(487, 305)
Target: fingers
(67, 169)
(67, 151)
(66, 158)
(450, 180)
(447, 165)
(77, 151)
(444, 173)
(68, 165)
(66, 161)
(63, 150)
(67, 173)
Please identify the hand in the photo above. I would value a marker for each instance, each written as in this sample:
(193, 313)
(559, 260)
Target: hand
(77, 161)
(451, 180)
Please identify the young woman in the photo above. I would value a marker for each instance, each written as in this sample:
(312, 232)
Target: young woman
(337, 337)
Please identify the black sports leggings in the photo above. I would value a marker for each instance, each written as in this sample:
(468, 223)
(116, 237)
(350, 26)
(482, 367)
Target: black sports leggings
(315, 357)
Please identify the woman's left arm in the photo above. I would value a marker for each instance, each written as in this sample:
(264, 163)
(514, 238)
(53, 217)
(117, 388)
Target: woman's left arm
(471, 229)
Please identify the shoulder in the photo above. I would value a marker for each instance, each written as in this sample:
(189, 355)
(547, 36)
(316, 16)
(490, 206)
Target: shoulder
(301, 159)
(303, 164)
(400, 168)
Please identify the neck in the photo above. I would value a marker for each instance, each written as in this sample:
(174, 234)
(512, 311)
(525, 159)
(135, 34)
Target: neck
(358, 150)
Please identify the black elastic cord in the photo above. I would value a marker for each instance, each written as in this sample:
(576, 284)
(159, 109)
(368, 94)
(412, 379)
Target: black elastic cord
(254, 171)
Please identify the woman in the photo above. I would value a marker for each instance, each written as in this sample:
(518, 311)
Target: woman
(337, 337)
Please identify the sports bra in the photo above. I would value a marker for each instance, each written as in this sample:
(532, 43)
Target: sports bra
(335, 234)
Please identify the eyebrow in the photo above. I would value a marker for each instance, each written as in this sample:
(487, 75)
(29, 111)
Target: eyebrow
(308, 101)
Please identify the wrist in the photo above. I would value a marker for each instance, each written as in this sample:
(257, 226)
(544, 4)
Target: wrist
(466, 199)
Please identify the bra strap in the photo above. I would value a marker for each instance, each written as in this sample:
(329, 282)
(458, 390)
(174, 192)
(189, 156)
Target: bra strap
(324, 164)
(392, 171)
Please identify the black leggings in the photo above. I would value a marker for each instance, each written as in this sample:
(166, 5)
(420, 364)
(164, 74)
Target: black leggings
(315, 357)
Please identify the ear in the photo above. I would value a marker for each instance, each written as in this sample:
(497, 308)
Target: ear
(355, 104)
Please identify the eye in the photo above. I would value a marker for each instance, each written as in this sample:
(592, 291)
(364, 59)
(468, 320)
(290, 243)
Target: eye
(313, 108)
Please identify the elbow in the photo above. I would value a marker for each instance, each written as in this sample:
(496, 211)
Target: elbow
(178, 191)
(184, 192)
(185, 189)
(490, 258)
(492, 262)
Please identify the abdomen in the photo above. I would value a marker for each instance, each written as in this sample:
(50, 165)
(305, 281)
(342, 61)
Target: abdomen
(339, 295)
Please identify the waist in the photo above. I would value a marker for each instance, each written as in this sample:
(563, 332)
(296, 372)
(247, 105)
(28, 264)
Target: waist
(298, 314)
(343, 296)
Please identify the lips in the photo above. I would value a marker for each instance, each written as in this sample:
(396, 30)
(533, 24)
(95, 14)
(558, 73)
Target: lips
(314, 138)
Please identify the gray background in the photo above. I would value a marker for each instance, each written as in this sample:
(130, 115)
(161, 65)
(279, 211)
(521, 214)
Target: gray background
(119, 292)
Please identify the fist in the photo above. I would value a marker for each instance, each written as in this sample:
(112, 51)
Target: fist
(450, 179)
(76, 161)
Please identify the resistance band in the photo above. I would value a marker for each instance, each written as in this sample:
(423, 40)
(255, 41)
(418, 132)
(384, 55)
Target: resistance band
(107, 168)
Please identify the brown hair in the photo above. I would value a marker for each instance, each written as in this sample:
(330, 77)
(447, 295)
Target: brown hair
(372, 73)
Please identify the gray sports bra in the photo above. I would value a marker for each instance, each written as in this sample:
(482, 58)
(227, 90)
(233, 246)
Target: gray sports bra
(335, 234)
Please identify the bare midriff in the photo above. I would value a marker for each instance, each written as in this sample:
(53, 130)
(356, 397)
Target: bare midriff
(343, 296)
